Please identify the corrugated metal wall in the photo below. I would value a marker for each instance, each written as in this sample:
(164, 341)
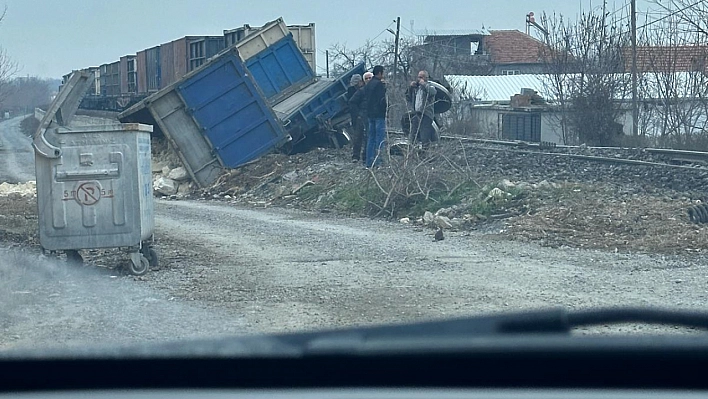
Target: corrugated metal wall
(142, 77)
(124, 86)
(110, 79)
(153, 69)
(167, 56)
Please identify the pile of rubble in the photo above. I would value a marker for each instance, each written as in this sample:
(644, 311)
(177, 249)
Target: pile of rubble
(28, 189)
(170, 179)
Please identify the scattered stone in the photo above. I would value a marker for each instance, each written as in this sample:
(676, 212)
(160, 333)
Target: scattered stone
(290, 176)
(457, 223)
(157, 166)
(165, 186)
(523, 185)
(179, 174)
(428, 217)
(28, 189)
(443, 212)
(185, 189)
(544, 185)
(405, 220)
(443, 222)
(506, 185)
(496, 194)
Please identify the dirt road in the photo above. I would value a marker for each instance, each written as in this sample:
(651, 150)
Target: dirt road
(288, 270)
(232, 270)
(16, 154)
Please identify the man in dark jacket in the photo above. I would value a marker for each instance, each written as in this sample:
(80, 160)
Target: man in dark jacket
(356, 85)
(376, 104)
(357, 103)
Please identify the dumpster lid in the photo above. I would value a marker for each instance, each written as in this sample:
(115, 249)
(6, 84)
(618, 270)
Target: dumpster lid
(111, 127)
(60, 113)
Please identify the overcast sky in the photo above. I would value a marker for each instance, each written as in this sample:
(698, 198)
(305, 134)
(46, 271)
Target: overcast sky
(49, 38)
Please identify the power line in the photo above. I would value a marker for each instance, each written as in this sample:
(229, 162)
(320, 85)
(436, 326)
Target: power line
(671, 14)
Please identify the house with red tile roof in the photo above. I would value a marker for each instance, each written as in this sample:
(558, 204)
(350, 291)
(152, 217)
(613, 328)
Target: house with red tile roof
(480, 52)
(513, 52)
(668, 59)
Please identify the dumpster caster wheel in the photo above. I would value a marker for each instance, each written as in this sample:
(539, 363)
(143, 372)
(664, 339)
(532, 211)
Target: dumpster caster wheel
(74, 258)
(151, 255)
(142, 266)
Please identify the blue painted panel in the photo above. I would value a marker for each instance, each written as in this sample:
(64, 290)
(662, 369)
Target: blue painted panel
(279, 67)
(231, 111)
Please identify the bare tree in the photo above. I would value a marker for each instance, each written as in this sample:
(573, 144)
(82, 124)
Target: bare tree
(343, 58)
(27, 93)
(460, 120)
(8, 68)
(585, 63)
(674, 60)
(692, 15)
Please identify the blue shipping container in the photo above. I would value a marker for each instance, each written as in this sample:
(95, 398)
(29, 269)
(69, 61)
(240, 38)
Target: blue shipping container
(280, 69)
(214, 116)
(231, 111)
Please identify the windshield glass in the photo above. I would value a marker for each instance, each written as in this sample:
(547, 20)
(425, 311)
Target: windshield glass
(300, 168)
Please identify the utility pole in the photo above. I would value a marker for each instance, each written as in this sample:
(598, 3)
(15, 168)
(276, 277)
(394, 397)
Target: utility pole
(327, 62)
(635, 107)
(395, 48)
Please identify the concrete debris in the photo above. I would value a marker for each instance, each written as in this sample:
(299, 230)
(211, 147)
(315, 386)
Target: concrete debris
(179, 174)
(507, 185)
(405, 220)
(428, 218)
(443, 222)
(496, 194)
(443, 212)
(185, 189)
(165, 170)
(457, 223)
(290, 176)
(157, 166)
(165, 186)
(544, 185)
(28, 189)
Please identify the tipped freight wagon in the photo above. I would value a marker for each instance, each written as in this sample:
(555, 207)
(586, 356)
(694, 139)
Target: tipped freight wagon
(214, 117)
(304, 36)
(276, 62)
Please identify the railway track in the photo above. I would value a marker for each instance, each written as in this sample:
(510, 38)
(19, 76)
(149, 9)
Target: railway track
(655, 157)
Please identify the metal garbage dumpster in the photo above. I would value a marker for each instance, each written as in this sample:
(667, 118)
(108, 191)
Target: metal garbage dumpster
(94, 185)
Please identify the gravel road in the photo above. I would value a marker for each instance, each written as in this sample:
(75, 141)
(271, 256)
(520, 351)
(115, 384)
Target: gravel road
(233, 270)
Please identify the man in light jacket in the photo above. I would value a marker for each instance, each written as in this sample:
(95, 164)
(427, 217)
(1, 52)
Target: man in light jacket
(421, 100)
